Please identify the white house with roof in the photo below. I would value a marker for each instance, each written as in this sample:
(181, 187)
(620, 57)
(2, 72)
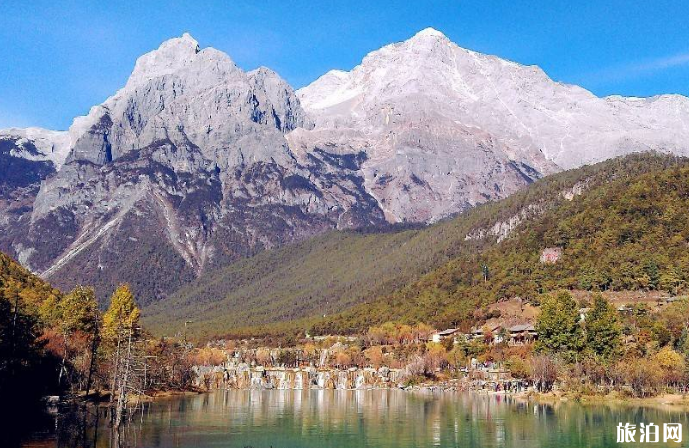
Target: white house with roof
(444, 334)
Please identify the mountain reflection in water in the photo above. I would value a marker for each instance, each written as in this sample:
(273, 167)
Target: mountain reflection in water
(343, 419)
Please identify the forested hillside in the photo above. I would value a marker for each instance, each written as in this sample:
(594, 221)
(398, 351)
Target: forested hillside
(600, 216)
(15, 280)
(630, 233)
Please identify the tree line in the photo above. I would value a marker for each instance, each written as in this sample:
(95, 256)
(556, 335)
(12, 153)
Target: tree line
(637, 352)
(626, 233)
(62, 344)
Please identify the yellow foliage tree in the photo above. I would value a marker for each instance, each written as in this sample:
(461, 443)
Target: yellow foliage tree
(671, 364)
(374, 355)
(123, 314)
(436, 355)
(77, 311)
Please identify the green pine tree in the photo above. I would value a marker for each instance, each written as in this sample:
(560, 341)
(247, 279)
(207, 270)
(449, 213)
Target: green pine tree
(602, 328)
(558, 327)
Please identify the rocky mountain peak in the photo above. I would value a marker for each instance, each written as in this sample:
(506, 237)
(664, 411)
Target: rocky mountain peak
(429, 33)
(198, 163)
(172, 55)
(187, 165)
(428, 76)
(38, 144)
(188, 96)
(421, 106)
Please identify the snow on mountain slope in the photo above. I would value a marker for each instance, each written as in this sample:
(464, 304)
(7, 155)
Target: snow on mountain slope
(413, 110)
(38, 144)
(429, 77)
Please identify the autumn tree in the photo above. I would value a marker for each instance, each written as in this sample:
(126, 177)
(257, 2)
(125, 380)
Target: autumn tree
(342, 359)
(122, 314)
(641, 374)
(544, 372)
(671, 365)
(675, 317)
(456, 357)
(518, 367)
(76, 312)
(263, 357)
(309, 353)
(120, 327)
(374, 356)
(435, 356)
(421, 332)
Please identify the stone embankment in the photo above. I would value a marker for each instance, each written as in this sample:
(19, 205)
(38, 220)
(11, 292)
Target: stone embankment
(243, 376)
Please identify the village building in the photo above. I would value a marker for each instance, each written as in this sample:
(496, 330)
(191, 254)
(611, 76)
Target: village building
(494, 334)
(522, 334)
(490, 334)
(439, 336)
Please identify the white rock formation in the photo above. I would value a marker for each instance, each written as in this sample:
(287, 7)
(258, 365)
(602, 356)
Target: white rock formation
(428, 108)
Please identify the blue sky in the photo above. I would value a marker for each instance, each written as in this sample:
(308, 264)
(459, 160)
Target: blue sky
(60, 58)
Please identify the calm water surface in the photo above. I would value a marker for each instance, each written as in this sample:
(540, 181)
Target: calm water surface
(344, 419)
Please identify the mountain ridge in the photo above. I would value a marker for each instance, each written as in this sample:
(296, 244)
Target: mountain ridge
(623, 234)
(365, 278)
(196, 163)
(183, 168)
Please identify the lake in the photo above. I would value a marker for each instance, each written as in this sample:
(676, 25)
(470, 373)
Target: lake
(373, 418)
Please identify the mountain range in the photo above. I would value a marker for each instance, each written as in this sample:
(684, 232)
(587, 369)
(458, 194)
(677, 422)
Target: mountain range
(196, 164)
(617, 225)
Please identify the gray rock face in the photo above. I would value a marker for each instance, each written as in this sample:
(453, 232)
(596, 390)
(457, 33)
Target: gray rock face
(195, 163)
(188, 96)
(27, 157)
(184, 168)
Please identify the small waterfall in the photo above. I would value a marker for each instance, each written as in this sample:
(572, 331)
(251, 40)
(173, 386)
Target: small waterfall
(323, 358)
(360, 380)
(242, 376)
(322, 379)
(342, 380)
(257, 379)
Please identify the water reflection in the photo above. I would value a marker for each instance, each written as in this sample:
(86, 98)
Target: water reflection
(342, 419)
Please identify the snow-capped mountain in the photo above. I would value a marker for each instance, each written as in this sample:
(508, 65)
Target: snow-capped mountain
(27, 157)
(449, 127)
(186, 167)
(195, 163)
(36, 144)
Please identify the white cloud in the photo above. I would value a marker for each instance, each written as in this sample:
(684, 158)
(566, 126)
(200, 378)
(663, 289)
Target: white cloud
(662, 63)
(638, 68)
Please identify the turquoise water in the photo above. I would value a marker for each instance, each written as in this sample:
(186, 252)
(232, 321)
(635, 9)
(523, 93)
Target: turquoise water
(343, 419)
